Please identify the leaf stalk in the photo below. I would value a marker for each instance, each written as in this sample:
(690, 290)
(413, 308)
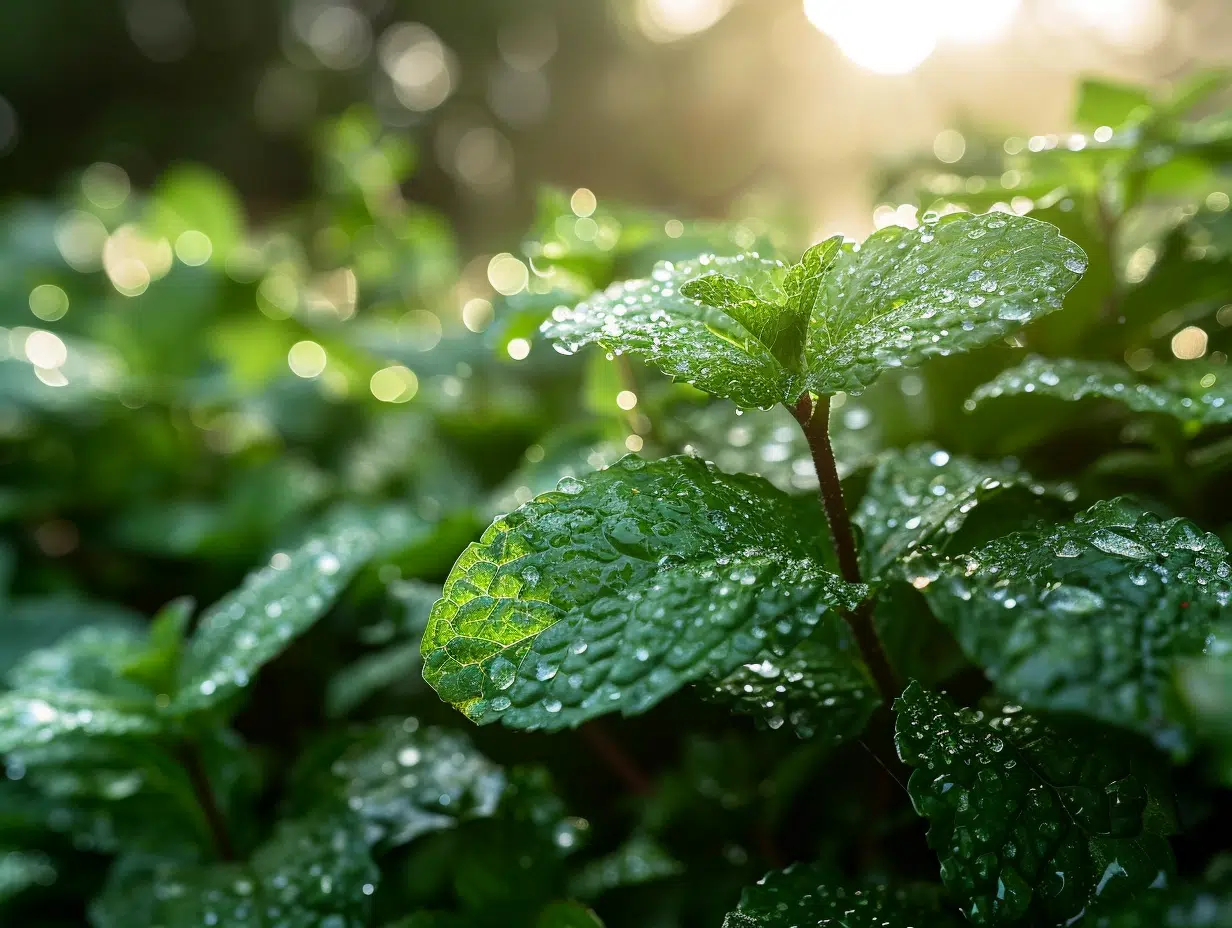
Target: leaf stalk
(814, 419)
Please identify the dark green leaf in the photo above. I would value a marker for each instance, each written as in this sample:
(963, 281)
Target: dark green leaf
(918, 495)
(30, 717)
(821, 687)
(612, 592)
(805, 895)
(1206, 905)
(1089, 616)
(22, 870)
(1204, 688)
(1191, 392)
(398, 663)
(30, 623)
(1028, 822)
(641, 859)
(403, 780)
(951, 285)
(310, 874)
(568, 915)
(252, 625)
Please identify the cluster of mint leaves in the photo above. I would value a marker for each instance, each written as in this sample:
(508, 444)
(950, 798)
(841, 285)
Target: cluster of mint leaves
(1050, 800)
(613, 591)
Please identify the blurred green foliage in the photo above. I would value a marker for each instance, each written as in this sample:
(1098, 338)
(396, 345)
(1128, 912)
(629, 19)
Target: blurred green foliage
(191, 389)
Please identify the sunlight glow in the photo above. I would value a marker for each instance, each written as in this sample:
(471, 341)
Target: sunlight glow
(897, 36)
(668, 20)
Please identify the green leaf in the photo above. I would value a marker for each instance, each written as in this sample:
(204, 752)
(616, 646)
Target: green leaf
(821, 687)
(1204, 688)
(689, 339)
(39, 716)
(1031, 822)
(403, 780)
(22, 870)
(252, 625)
(568, 915)
(398, 663)
(1191, 392)
(91, 659)
(778, 328)
(155, 666)
(30, 623)
(804, 285)
(311, 873)
(1103, 103)
(639, 860)
(917, 495)
(1188, 905)
(805, 895)
(193, 199)
(954, 284)
(1090, 616)
(614, 591)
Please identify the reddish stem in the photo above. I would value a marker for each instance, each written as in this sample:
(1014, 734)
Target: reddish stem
(814, 419)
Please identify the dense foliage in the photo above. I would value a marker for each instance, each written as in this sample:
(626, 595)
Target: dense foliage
(904, 601)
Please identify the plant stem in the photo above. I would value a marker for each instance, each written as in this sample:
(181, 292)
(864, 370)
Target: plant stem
(814, 419)
(190, 756)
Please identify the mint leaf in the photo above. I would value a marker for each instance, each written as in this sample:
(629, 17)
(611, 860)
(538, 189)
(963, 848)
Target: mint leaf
(311, 873)
(639, 860)
(1204, 905)
(1203, 685)
(74, 691)
(918, 495)
(398, 663)
(22, 870)
(821, 687)
(614, 591)
(403, 780)
(40, 716)
(954, 284)
(779, 328)
(805, 895)
(568, 915)
(92, 659)
(1032, 824)
(1090, 616)
(1191, 392)
(804, 284)
(253, 624)
(686, 338)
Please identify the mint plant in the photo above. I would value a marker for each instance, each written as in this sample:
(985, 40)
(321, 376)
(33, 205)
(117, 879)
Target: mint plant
(613, 591)
(902, 600)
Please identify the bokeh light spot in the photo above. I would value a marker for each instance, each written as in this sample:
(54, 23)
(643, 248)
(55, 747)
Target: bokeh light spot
(1189, 344)
(306, 359)
(48, 302)
(394, 384)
